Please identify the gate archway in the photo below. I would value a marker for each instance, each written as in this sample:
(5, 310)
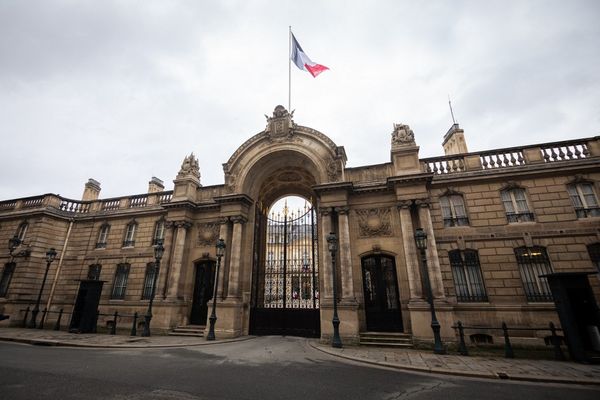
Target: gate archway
(286, 274)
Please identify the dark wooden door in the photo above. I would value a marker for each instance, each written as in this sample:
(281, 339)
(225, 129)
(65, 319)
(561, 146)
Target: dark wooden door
(382, 304)
(85, 315)
(203, 291)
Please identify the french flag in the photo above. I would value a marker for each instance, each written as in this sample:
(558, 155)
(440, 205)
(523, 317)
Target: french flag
(302, 61)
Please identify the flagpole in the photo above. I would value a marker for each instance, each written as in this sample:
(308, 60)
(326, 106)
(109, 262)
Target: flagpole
(290, 71)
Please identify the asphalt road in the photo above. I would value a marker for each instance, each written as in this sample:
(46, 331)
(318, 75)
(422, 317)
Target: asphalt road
(261, 368)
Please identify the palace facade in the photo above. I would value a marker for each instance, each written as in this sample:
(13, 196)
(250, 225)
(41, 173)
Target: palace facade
(496, 222)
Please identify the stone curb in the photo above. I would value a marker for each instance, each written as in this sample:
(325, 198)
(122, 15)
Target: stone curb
(502, 375)
(66, 343)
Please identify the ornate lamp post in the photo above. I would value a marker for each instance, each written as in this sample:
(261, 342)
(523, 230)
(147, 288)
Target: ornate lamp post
(50, 256)
(421, 241)
(332, 243)
(158, 253)
(213, 315)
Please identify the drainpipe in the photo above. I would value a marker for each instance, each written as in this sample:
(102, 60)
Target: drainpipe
(60, 262)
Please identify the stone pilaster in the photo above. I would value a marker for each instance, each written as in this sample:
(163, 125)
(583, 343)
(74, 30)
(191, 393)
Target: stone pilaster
(433, 262)
(345, 255)
(224, 233)
(235, 257)
(410, 251)
(181, 228)
(325, 272)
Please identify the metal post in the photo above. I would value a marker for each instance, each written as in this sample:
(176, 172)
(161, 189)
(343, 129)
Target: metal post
(336, 341)
(213, 315)
(438, 345)
(462, 346)
(134, 325)
(25, 317)
(558, 353)
(44, 313)
(95, 327)
(113, 328)
(57, 324)
(50, 256)
(158, 252)
(508, 350)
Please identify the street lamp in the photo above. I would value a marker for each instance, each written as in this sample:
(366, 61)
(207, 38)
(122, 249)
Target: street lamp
(158, 253)
(50, 256)
(332, 244)
(213, 315)
(421, 242)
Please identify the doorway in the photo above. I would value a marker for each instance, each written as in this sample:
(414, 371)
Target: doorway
(203, 291)
(382, 304)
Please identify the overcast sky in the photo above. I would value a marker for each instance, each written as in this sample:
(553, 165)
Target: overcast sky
(121, 91)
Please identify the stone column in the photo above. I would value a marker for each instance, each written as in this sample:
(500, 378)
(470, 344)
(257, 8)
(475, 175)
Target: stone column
(181, 228)
(325, 272)
(410, 250)
(223, 234)
(235, 257)
(345, 255)
(433, 262)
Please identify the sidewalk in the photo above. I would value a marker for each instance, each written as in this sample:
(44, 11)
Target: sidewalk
(478, 367)
(98, 340)
(411, 360)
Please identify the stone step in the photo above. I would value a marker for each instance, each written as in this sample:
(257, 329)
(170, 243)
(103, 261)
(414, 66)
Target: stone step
(188, 330)
(386, 339)
(187, 334)
(387, 344)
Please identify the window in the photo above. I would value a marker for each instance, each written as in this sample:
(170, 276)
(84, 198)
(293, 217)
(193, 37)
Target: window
(129, 240)
(22, 231)
(159, 232)
(102, 236)
(515, 203)
(584, 200)
(594, 250)
(94, 272)
(7, 274)
(533, 262)
(120, 283)
(466, 272)
(149, 281)
(453, 210)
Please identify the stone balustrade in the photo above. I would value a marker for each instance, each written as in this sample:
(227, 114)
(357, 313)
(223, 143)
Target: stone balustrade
(568, 150)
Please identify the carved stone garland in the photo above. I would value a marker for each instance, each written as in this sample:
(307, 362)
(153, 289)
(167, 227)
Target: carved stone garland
(208, 233)
(374, 222)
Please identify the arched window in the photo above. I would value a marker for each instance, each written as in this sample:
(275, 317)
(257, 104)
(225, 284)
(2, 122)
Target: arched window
(7, 273)
(103, 236)
(120, 282)
(94, 272)
(533, 263)
(130, 229)
(584, 199)
(516, 206)
(22, 231)
(149, 280)
(466, 272)
(453, 210)
(594, 250)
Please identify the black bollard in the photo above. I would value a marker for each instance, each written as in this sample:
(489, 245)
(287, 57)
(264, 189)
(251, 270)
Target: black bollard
(25, 318)
(57, 324)
(44, 313)
(134, 325)
(113, 329)
(462, 346)
(508, 350)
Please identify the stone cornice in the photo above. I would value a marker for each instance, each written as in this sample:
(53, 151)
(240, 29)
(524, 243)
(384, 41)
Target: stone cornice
(234, 198)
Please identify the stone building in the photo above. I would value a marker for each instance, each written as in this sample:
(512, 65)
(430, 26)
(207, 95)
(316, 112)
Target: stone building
(495, 221)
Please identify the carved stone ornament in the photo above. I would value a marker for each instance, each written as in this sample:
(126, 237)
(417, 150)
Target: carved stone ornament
(374, 222)
(208, 233)
(333, 171)
(402, 135)
(230, 181)
(280, 126)
(189, 167)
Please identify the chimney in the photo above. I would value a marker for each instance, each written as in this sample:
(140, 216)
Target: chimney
(454, 141)
(91, 190)
(155, 185)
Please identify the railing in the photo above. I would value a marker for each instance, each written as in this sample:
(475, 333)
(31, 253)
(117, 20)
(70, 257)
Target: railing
(138, 201)
(8, 205)
(567, 150)
(165, 197)
(555, 340)
(73, 206)
(112, 324)
(109, 205)
(33, 202)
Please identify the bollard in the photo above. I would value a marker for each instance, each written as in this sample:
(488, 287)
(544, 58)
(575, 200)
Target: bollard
(95, 327)
(462, 346)
(508, 350)
(558, 354)
(25, 318)
(134, 325)
(113, 329)
(57, 324)
(44, 313)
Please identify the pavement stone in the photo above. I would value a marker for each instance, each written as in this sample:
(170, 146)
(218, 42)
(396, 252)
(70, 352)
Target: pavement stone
(404, 359)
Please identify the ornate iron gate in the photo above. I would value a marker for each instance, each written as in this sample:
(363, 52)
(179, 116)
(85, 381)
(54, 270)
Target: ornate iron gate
(286, 275)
